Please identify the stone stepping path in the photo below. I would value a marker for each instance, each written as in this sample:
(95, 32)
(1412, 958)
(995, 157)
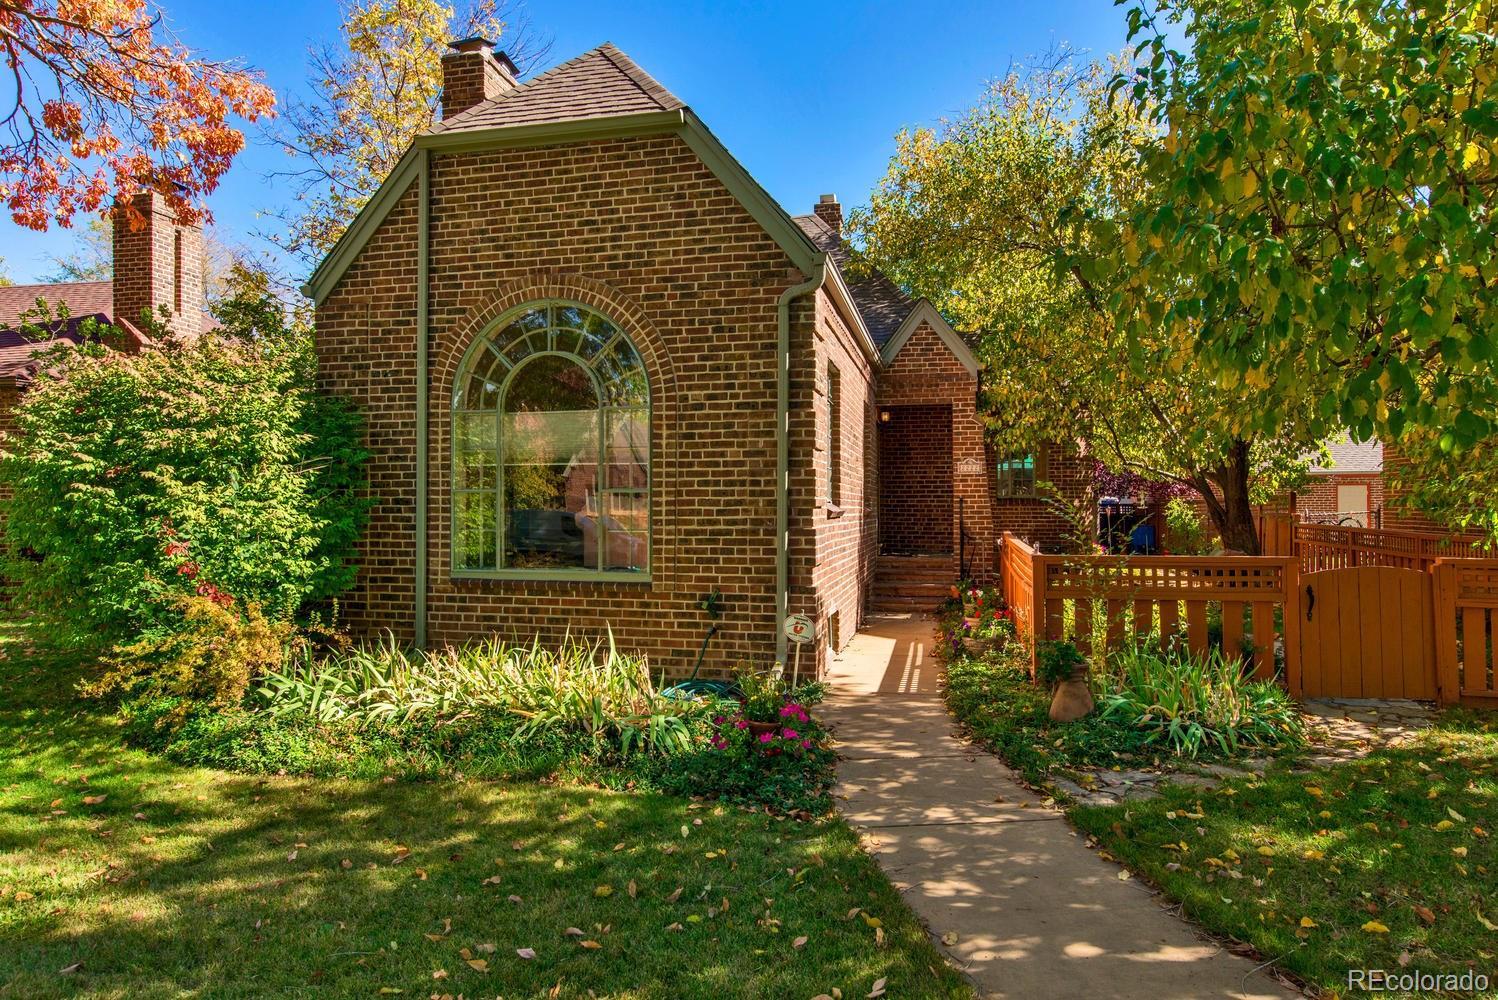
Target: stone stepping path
(1340, 730)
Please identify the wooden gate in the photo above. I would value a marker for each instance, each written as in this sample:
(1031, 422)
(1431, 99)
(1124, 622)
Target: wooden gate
(1367, 632)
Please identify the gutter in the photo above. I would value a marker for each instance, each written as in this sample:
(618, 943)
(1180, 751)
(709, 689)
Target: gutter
(423, 274)
(783, 452)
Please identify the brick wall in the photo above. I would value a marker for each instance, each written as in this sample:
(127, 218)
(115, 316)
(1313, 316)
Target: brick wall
(927, 373)
(830, 579)
(1399, 513)
(1319, 495)
(158, 263)
(915, 499)
(1033, 518)
(641, 231)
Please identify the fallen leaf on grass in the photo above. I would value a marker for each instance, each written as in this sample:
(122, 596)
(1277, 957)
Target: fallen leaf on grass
(800, 942)
(603, 891)
(1484, 920)
(878, 990)
(589, 944)
(949, 938)
(1307, 922)
(1425, 913)
(68, 970)
(526, 953)
(573, 932)
(93, 800)
(673, 897)
(1374, 927)
(632, 889)
(478, 964)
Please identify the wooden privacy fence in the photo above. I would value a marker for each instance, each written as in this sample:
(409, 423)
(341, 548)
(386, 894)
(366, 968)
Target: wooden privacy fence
(1328, 546)
(1466, 595)
(1120, 598)
(1424, 628)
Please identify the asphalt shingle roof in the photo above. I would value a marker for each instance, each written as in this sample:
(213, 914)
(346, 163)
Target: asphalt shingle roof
(84, 299)
(1352, 456)
(880, 301)
(600, 83)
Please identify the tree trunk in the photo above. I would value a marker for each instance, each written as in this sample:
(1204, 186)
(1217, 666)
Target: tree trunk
(1228, 506)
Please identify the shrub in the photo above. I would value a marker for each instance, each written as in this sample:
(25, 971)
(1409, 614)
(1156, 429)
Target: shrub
(1056, 660)
(590, 690)
(1185, 533)
(210, 468)
(206, 659)
(1191, 702)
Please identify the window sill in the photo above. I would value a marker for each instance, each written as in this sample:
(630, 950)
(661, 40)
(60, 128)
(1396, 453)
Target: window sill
(541, 576)
(833, 510)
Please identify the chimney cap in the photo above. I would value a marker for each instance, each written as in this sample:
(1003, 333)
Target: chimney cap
(480, 44)
(473, 43)
(828, 199)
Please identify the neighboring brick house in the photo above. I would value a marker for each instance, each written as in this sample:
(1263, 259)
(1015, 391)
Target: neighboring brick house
(157, 262)
(605, 373)
(1348, 488)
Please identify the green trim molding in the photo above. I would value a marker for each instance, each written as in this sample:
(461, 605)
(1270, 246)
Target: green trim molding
(764, 209)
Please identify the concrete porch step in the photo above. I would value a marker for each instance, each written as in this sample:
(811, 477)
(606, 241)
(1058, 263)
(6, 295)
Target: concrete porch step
(879, 604)
(908, 588)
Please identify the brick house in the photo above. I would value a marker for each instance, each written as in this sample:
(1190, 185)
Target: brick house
(1346, 489)
(157, 262)
(605, 373)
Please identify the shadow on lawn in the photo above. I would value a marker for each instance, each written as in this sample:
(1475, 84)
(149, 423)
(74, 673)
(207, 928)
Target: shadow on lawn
(192, 881)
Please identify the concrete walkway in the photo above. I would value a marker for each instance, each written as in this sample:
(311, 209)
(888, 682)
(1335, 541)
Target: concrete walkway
(1036, 913)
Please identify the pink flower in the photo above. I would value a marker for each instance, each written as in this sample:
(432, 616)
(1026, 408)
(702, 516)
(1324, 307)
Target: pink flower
(741, 724)
(789, 734)
(806, 744)
(766, 737)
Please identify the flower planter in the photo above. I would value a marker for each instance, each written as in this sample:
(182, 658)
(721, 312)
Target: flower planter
(1073, 698)
(762, 727)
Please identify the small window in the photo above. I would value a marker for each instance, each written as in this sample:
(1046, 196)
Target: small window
(834, 435)
(1016, 477)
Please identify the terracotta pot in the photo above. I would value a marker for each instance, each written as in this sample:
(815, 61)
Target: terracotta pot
(1073, 698)
(977, 646)
(763, 727)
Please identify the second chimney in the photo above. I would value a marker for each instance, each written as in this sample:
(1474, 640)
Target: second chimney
(158, 262)
(473, 73)
(830, 212)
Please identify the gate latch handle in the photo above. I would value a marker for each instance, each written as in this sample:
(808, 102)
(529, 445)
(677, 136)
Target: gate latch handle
(1310, 601)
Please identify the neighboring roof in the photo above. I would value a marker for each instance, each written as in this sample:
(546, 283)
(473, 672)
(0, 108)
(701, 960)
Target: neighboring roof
(600, 83)
(880, 302)
(1351, 457)
(84, 299)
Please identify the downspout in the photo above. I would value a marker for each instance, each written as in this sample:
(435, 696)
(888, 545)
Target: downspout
(783, 455)
(423, 273)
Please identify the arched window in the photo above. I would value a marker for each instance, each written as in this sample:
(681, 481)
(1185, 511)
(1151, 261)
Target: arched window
(551, 449)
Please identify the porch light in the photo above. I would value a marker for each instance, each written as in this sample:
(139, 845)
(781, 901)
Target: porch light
(884, 416)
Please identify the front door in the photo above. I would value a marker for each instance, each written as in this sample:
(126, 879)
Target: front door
(915, 480)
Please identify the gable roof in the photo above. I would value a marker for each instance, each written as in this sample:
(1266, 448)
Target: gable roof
(84, 300)
(890, 315)
(600, 94)
(880, 301)
(600, 83)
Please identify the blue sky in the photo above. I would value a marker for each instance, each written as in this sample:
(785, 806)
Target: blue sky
(807, 96)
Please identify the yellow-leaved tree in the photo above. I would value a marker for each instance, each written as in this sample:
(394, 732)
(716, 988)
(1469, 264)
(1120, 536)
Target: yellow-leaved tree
(374, 92)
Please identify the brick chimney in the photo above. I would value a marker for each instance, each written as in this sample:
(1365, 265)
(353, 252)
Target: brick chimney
(157, 262)
(473, 73)
(830, 212)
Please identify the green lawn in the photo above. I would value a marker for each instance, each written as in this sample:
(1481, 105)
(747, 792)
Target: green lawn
(1387, 863)
(122, 875)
